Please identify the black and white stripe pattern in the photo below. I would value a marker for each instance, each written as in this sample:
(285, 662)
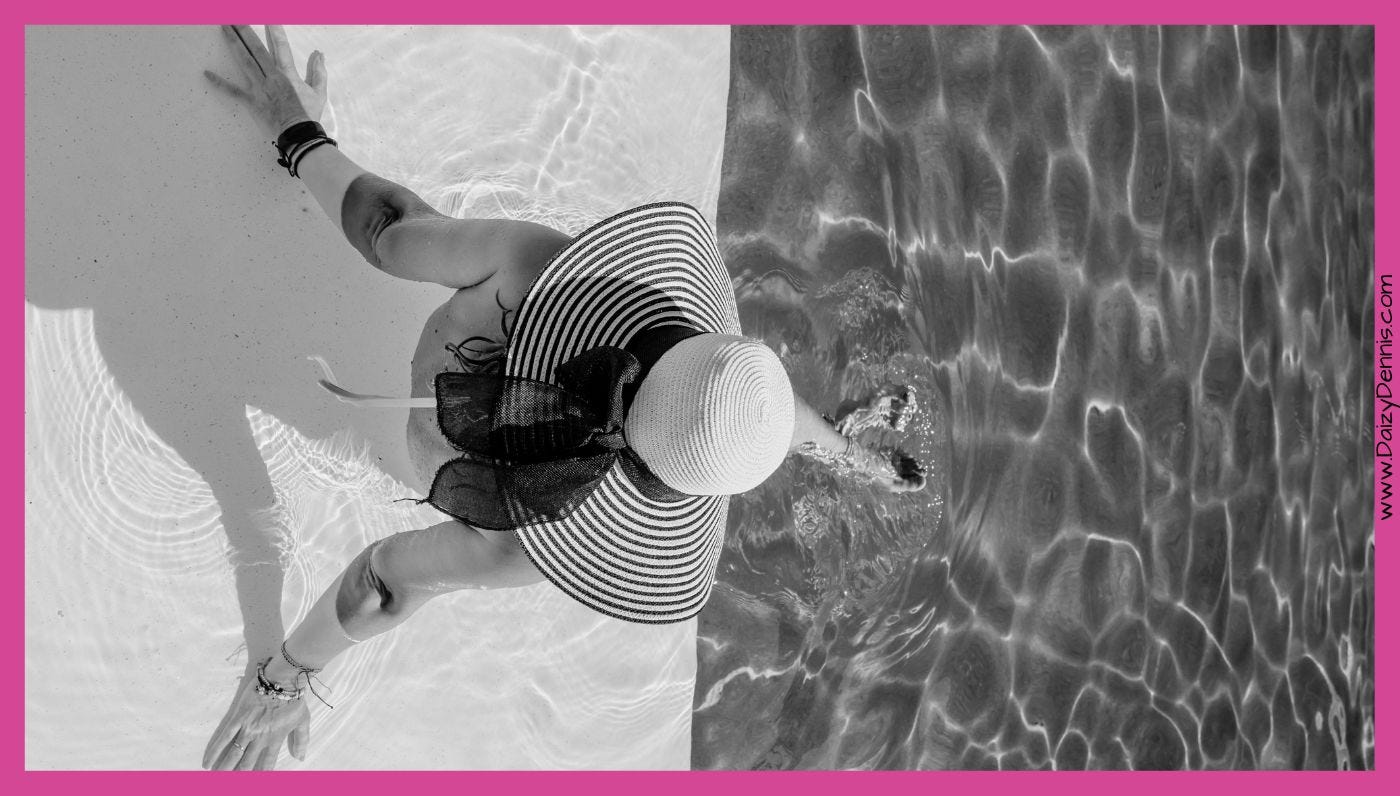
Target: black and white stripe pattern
(621, 553)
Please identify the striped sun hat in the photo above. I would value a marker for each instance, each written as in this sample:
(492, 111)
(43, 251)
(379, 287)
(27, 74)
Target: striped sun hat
(631, 527)
(624, 551)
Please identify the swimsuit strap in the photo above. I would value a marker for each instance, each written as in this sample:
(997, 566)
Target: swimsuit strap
(361, 399)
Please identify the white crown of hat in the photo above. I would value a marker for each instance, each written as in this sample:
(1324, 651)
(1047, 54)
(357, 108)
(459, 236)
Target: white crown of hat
(714, 415)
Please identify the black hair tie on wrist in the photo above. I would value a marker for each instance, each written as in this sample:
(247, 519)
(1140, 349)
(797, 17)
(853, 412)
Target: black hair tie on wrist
(297, 140)
(303, 152)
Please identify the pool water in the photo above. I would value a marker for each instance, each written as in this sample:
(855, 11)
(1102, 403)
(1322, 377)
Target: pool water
(1129, 271)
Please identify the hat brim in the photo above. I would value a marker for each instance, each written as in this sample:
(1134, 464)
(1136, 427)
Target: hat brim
(622, 553)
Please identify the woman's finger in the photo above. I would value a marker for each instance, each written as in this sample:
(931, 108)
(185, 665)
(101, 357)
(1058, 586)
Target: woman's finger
(281, 49)
(228, 758)
(227, 86)
(267, 761)
(219, 743)
(298, 740)
(316, 75)
(250, 757)
(250, 41)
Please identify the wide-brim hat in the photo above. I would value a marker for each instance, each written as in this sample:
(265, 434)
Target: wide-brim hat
(622, 552)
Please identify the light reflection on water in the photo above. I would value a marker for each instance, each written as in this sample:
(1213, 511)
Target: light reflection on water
(1131, 269)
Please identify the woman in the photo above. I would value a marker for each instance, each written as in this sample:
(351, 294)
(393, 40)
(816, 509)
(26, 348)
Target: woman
(582, 408)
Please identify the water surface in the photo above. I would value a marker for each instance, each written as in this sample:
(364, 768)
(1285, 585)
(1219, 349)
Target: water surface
(1130, 271)
(190, 490)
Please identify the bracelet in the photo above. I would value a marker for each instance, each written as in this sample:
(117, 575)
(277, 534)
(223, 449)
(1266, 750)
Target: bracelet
(303, 151)
(301, 669)
(288, 694)
(296, 141)
(268, 688)
(307, 672)
(292, 154)
(850, 449)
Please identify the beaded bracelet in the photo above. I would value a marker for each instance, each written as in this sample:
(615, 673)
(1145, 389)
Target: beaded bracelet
(268, 688)
(288, 694)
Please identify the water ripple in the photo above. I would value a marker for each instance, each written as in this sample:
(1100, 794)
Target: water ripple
(1124, 263)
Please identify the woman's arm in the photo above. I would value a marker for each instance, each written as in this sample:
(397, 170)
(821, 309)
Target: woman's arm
(813, 435)
(385, 584)
(403, 236)
(389, 225)
(394, 577)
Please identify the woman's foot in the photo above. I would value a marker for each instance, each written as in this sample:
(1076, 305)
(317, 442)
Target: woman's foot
(909, 474)
(889, 408)
(894, 471)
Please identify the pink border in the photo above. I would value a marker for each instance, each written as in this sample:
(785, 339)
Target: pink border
(638, 11)
(1385, 173)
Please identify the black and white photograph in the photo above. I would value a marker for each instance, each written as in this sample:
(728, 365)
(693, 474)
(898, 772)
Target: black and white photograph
(650, 397)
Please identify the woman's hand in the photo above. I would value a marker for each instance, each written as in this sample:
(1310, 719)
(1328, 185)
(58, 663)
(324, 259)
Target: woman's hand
(269, 84)
(254, 728)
